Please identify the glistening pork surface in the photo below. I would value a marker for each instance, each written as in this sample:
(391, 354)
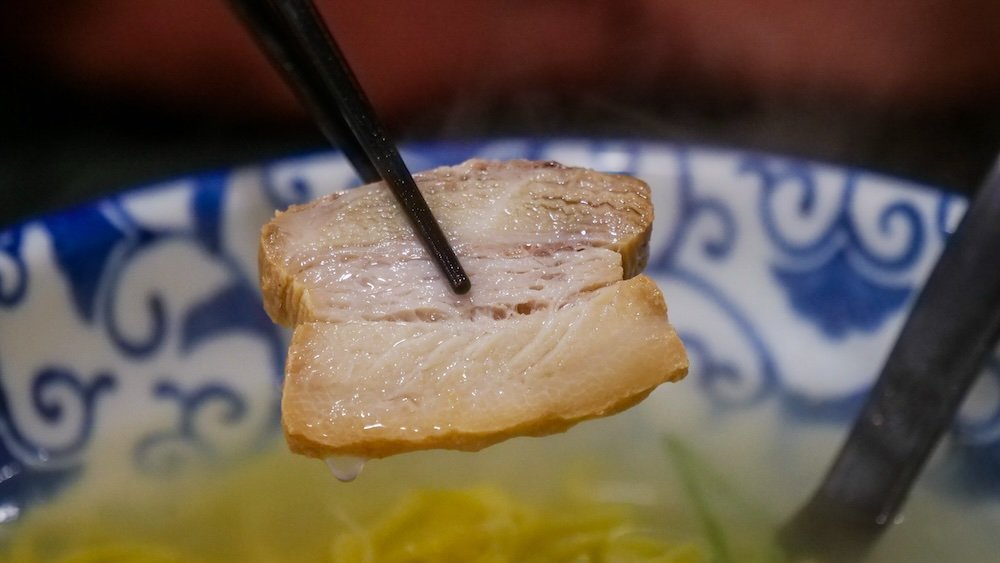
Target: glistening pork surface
(559, 325)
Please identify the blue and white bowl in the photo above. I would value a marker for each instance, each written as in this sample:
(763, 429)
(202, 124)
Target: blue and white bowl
(133, 343)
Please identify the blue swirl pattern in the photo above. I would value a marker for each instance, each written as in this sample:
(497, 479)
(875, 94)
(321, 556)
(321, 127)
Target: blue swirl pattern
(31, 469)
(726, 382)
(50, 405)
(164, 451)
(97, 251)
(169, 346)
(837, 277)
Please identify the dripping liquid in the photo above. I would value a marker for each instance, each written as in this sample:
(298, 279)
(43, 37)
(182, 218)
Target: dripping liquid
(345, 468)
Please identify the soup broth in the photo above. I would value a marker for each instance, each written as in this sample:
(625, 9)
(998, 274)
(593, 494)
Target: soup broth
(712, 489)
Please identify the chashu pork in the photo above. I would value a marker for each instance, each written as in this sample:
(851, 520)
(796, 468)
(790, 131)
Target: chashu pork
(559, 325)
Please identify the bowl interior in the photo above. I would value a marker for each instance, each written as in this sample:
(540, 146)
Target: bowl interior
(138, 370)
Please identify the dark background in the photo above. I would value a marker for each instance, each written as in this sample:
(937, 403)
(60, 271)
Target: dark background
(65, 142)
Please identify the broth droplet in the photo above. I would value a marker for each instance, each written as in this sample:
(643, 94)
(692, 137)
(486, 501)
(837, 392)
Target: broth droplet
(345, 467)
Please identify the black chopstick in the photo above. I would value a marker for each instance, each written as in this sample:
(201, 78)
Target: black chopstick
(276, 39)
(294, 35)
(948, 337)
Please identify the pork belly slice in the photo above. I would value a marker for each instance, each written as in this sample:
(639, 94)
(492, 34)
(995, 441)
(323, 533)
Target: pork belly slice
(558, 327)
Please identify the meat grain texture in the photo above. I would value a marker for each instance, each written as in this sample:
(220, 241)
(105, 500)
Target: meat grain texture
(559, 326)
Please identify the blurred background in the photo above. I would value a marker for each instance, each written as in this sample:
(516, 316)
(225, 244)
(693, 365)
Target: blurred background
(101, 95)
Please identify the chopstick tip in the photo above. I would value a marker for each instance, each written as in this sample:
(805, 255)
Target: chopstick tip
(460, 283)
